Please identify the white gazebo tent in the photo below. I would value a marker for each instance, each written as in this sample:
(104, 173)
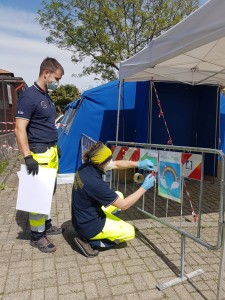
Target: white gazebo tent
(193, 51)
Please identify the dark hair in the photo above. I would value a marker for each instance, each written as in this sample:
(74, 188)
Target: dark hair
(91, 150)
(50, 64)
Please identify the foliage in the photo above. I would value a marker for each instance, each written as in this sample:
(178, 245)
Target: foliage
(63, 95)
(108, 31)
(3, 166)
(2, 187)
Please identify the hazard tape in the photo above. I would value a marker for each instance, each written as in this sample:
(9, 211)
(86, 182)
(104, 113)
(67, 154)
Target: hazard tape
(8, 123)
(125, 153)
(170, 142)
(8, 130)
(9, 147)
(161, 114)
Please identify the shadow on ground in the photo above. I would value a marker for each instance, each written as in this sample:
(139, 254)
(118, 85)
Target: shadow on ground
(23, 223)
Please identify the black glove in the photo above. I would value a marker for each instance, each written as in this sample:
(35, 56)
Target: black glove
(59, 151)
(32, 165)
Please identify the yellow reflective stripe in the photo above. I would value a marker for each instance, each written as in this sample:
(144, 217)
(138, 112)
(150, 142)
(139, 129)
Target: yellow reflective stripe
(37, 223)
(34, 214)
(48, 159)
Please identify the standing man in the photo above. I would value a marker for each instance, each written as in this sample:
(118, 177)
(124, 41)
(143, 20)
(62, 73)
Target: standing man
(36, 136)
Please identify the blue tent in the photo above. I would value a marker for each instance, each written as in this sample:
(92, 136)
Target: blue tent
(190, 113)
(94, 115)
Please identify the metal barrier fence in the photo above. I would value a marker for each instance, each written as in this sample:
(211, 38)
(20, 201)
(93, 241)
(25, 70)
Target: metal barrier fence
(179, 213)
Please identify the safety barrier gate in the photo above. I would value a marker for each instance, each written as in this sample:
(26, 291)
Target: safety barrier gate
(182, 187)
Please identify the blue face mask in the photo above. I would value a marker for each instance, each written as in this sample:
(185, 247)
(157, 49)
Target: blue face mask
(53, 85)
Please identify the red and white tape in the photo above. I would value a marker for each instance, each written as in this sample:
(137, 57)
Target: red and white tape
(8, 130)
(9, 147)
(8, 123)
(125, 153)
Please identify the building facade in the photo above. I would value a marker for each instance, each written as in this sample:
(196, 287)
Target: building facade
(10, 89)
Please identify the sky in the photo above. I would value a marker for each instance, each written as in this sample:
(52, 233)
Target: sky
(23, 46)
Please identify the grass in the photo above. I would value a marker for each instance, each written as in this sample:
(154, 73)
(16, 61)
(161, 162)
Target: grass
(2, 187)
(3, 165)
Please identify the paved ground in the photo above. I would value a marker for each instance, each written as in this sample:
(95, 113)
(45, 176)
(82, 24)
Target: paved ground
(133, 272)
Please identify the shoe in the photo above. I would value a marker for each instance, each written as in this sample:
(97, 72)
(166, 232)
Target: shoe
(44, 245)
(85, 247)
(54, 230)
(102, 244)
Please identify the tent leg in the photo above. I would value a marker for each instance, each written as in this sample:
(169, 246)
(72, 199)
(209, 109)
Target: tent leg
(221, 270)
(118, 112)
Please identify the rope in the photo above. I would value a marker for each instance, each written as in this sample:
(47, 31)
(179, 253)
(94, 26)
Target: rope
(170, 142)
(161, 114)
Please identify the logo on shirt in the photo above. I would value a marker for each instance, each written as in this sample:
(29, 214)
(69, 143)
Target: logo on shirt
(20, 112)
(43, 104)
(77, 182)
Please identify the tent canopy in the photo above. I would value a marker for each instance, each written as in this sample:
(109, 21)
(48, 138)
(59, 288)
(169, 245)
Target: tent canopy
(193, 51)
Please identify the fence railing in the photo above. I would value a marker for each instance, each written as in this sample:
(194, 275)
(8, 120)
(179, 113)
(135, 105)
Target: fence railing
(183, 199)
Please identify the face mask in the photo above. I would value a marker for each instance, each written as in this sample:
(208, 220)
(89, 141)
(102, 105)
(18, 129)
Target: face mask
(108, 167)
(53, 85)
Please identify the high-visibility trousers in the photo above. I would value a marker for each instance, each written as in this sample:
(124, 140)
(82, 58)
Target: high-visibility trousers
(115, 229)
(48, 159)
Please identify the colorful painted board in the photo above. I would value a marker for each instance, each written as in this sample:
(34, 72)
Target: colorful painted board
(169, 183)
(150, 154)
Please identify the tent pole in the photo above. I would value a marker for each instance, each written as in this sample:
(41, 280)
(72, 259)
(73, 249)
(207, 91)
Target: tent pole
(118, 112)
(150, 113)
(216, 138)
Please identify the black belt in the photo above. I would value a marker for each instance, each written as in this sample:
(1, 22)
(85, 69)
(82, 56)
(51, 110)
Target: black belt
(41, 147)
(51, 144)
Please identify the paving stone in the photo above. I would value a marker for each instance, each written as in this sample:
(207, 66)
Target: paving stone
(92, 276)
(51, 293)
(123, 289)
(77, 296)
(25, 282)
(91, 291)
(109, 270)
(26, 295)
(103, 288)
(38, 294)
(70, 288)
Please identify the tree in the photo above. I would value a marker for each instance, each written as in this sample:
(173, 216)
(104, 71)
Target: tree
(63, 95)
(108, 31)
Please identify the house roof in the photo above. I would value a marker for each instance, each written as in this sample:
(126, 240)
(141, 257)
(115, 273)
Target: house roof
(6, 73)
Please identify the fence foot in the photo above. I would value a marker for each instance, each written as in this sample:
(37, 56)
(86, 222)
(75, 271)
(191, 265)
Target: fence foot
(179, 280)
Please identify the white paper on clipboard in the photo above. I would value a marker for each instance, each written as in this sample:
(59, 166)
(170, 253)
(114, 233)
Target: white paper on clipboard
(35, 192)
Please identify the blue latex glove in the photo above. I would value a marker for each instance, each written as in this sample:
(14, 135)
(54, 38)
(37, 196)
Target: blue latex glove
(148, 182)
(146, 164)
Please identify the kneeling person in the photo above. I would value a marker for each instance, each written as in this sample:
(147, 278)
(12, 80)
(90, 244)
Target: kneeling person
(95, 205)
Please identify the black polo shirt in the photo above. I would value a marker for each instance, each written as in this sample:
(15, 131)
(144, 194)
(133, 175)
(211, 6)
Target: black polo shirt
(36, 106)
(89, 193)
